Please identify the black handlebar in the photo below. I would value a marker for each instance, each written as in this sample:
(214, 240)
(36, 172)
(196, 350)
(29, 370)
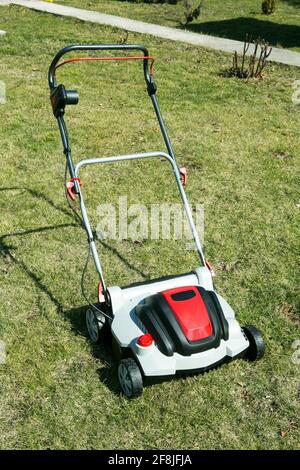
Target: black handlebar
(60, 97)
(99, 47)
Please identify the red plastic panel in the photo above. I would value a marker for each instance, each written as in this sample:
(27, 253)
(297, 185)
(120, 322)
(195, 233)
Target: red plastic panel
(190, 311)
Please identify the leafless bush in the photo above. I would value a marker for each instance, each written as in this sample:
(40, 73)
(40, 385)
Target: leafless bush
(124, 38)
(252, 67)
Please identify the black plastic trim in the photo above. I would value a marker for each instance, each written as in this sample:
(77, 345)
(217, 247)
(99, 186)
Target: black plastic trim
(186, 295)
(182, 345)
(160, 321)
(156, 379)
(223, 321)
(151, 319)
(60, 97)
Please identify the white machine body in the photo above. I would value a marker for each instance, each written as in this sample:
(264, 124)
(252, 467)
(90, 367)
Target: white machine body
(126, 327)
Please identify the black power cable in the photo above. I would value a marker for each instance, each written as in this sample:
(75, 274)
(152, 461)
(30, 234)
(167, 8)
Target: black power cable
(93, 306)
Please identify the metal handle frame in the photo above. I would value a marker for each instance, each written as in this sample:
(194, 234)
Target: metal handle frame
(97, 47)
(170, 156)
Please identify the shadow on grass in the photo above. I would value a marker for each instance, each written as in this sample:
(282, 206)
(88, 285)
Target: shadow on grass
(127, 263)
(103, 350)
(293, 3)
(75, 316)
(6, 248)
(6, 251)
(276, 34)
(38, 195)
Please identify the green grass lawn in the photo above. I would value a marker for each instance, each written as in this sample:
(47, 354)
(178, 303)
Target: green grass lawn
(240, 142)
(232, 19)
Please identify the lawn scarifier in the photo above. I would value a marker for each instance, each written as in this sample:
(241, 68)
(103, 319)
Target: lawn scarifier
(166, 326)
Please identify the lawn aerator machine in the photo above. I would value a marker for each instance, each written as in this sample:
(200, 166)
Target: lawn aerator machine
(167, 326)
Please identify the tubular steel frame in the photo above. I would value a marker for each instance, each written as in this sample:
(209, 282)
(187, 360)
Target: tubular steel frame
(74, 170)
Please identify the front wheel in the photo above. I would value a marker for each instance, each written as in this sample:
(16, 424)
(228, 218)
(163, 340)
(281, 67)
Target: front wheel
(256, 347)
(130, 378)
(95, 321)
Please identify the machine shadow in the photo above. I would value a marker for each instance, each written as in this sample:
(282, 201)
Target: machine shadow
(6, 248)
(75, 316)
(285, 35)
(125, 261)
(108, 374)
(38, 195)
(102, 351)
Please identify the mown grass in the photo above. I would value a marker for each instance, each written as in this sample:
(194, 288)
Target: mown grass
(240, 142)
(232, 19)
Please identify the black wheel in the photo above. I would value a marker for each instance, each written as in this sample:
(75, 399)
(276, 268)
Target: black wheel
(130, 378)
(256, 347)
(95, 322)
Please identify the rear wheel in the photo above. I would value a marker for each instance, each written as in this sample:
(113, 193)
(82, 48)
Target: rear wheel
(256, 347)
(130, 378)
(95, 322)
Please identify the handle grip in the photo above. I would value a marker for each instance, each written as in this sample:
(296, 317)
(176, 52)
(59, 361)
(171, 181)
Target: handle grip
(99, 47)
(60, 97)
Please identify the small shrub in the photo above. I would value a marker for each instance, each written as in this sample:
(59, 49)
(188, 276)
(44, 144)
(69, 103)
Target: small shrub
(252, 67)
(268, 7)
(124, 38)
(190, 12)
(172, 2)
